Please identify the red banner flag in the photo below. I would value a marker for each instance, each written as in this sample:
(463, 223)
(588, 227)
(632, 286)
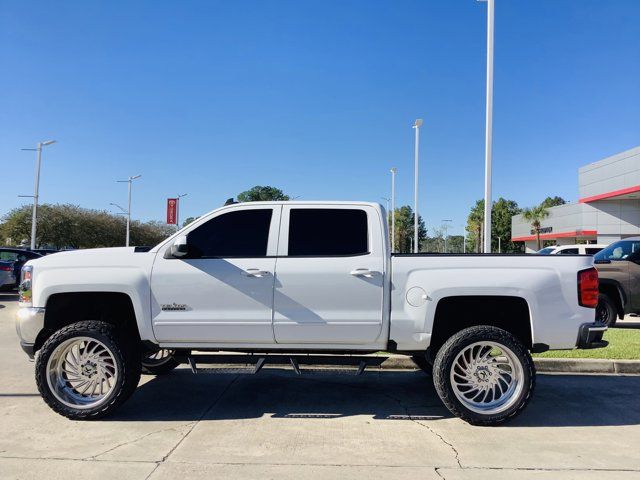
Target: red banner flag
(172, 207)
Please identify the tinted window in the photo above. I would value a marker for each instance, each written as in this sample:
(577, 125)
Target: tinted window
(592, 251)
(546, 251)
(319, 232)
(619, 250)
(235, 234)
(568, 251)
(6, 256)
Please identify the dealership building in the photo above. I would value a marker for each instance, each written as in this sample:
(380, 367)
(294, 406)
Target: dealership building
(608, 209)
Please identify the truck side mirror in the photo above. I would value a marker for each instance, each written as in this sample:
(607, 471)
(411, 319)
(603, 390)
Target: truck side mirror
(180, 247)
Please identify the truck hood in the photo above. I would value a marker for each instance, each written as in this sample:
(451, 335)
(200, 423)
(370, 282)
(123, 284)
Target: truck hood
(93, 257)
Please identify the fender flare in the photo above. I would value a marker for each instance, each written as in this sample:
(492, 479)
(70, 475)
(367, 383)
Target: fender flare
(622, 296)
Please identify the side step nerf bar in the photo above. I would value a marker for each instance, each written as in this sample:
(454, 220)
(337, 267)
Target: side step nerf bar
(253, 363)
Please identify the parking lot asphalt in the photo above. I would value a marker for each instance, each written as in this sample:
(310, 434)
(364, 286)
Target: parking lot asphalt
(321, 426)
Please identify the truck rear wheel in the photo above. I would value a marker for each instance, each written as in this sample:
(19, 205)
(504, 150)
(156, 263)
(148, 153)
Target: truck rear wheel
(86, 370)
(484, 375)
(159, 363)
(606, 311)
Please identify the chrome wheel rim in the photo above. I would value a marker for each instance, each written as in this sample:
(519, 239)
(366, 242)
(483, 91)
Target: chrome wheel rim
(160, 357)
(82, 373)
(487, 377)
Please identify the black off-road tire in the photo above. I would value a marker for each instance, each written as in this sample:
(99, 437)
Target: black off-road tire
(423, 363)
(606, 311)
(161, 368)
(444, 363)
(126, 356)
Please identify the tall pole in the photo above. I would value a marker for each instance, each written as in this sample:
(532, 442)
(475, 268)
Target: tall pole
(416, 245)
(446, 232)
(36, 189)
(129, 181)
(178, 210)
(393, 208)
(488, 136)
(129, 213)
(464, 239)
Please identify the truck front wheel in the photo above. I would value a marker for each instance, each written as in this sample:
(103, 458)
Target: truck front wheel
(484, 375)
(86, 370)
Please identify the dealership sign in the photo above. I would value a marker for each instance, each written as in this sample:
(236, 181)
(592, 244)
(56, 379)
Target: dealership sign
(543, 230)
(172, 210)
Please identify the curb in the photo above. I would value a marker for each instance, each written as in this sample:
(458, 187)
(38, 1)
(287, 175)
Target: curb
(545, 365)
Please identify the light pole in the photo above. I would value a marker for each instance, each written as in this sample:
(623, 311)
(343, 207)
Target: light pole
(178, 210)
(464, 239)
(393, 208)
(387, 200)
(488, 136)
(129, 181)
(445, 225)
(36, 188)
(416, 125)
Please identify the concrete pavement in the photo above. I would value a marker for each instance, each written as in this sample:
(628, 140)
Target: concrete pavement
(321, 426)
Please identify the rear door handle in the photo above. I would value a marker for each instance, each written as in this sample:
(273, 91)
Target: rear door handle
(363, 272)
(255, 272)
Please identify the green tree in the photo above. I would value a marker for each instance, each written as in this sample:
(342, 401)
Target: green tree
(534, 216)
(62, 226)
(501, 213)
(189, 220)
(405, 228)
(262, 194)
(553, 202)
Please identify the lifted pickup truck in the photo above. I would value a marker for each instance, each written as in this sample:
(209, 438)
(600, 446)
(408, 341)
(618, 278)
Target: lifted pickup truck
(292, 281)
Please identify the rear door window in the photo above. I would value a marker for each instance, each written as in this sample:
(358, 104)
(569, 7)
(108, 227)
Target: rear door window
(319, 232)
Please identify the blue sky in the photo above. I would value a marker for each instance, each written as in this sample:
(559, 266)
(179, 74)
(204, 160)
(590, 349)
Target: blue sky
(316, 97)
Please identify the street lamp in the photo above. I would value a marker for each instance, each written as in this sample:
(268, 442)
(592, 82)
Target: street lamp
(488, 132)
(122, 212)
(36, 188)
(464, 239)
(387, 200)
(393, 171)
(129, 181)
(416, 125)
(178, 209)
(446, 230)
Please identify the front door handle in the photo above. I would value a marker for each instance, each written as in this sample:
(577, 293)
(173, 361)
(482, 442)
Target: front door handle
(363, 272)
(255, 272)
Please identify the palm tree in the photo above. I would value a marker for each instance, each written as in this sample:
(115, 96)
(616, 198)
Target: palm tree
(535, 215)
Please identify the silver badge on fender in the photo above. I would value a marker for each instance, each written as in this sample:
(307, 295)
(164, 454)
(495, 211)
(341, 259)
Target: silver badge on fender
(172, 307)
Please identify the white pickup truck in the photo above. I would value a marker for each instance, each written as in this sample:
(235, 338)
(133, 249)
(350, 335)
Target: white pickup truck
(293, 282)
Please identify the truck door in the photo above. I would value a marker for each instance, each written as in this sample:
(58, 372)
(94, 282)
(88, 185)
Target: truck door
(222, 292)
(329, 275)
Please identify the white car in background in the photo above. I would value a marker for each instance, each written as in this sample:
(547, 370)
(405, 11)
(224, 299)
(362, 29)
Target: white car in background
(582, 249)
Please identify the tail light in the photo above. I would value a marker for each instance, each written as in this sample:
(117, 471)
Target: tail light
(588, 288)
(6, 268)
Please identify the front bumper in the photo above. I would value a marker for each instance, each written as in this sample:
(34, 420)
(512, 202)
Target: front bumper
(590, 335)
(29, 323)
